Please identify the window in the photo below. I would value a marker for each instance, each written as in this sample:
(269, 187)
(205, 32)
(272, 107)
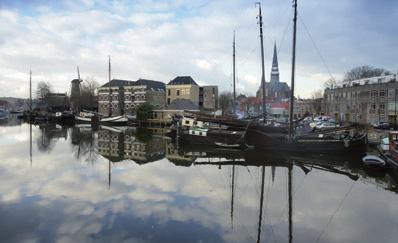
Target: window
(168, 101)
(373, 93)
(178, 92)
(382, 93)
(373, 106)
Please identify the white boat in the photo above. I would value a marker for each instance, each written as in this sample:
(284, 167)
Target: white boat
(373, 160)
(118, 129)
(385, 144)
(114, 119)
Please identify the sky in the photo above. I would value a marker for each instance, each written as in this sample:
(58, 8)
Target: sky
(160, 40)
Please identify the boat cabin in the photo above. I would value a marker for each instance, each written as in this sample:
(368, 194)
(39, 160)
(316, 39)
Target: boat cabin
(192, 122)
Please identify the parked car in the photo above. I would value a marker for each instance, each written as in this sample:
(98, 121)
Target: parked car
(385, 125)
(325, 125)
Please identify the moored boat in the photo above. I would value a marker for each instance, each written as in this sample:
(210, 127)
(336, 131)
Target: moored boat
(293, 138)
(193, 131)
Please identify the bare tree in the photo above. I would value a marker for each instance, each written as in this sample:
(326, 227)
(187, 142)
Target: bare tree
(363, 72)
(43, 89)
(330, 83)
(225, 101)
(88, 93)
(316, 97)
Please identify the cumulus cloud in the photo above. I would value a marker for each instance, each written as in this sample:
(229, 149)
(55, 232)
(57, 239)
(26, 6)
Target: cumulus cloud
(160, 40)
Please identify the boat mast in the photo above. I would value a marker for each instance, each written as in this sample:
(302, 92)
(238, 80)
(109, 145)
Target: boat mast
(260, 17)
(260, 217)
(232, 195)
(109, 85)
(30, 92)
(233, 166)
(233, 69)
(290, 201)
(293, 69)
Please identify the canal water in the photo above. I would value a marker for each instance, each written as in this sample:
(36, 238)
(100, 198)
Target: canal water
(77, 184)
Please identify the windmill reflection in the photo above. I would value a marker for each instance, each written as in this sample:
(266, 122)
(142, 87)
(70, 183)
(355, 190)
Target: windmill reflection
(143, 146)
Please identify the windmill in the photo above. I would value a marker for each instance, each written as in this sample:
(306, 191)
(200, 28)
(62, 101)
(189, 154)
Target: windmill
(75, 94)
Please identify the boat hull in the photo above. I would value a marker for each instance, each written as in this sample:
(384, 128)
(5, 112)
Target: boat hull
(269, 138)
(214, 137)
(114, 121)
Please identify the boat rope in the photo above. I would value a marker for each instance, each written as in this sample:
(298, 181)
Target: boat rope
(335, 212)
(221, 198)
(315, 46)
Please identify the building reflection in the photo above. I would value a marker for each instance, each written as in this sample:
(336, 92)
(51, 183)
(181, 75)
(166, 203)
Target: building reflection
(49, 135)
(150, 145)
(138, 145)
(143, 146)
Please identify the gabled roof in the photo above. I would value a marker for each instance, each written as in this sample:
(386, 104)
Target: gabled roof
(280, 105)
(118, 82)
(182, 80)
(182, 104)
(151, 84)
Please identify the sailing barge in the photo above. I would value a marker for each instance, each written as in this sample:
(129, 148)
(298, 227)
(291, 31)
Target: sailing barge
(290, 139)
(190, 130)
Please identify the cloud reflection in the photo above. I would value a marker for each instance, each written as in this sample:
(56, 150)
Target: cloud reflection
(61, 198)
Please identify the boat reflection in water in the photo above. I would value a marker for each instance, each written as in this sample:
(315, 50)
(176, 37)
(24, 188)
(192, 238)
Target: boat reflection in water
(121, 147)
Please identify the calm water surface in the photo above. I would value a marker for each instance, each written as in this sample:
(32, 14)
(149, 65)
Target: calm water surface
(116, 185)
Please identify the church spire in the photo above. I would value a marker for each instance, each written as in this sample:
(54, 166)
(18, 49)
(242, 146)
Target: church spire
(275, 68)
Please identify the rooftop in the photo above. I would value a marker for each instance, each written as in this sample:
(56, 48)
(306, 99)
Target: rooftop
(368, 81)
(118, 82)
(151, 84)
(182, 80)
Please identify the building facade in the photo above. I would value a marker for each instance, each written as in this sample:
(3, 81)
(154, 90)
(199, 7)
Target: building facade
(124, 96)
(366, 101)
(208, 97)
(305, 107)
(184, 87)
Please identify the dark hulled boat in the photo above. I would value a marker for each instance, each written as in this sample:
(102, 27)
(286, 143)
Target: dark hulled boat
(324, 142)
(290, 139)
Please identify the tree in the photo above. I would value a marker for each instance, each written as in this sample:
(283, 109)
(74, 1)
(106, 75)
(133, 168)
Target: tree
(144, 111)
(330, 83)
(363, 72)
(43, 89)
(316, 97)
(88, 93)
(225, 101)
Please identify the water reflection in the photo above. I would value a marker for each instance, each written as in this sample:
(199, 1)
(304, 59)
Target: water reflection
(135, 185)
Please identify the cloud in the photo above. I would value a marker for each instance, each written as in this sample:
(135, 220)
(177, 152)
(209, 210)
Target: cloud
(160, 40)
(62, 198)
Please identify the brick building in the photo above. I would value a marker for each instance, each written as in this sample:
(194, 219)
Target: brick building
(369, 100)
(123, 96)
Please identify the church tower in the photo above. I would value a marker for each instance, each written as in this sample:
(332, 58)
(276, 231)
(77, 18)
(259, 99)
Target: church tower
(275, 68)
